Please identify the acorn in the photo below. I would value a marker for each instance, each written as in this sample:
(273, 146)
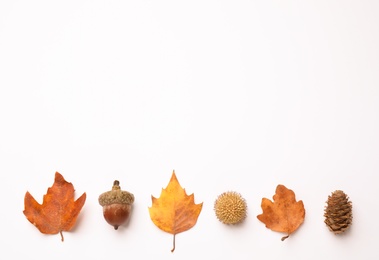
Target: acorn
(117, 205)
(338, 212)
(230, 208)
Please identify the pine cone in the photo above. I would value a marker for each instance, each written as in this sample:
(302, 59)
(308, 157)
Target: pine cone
(338, 212)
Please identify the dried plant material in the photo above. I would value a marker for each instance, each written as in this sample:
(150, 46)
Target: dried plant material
(285, 214)
(174, 211)
(58, 211)
(117, 205)
(338, 212)
(230, 208)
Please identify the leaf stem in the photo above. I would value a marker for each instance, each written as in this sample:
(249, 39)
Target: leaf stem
(173, 243)
(285, 237)
(62, 238)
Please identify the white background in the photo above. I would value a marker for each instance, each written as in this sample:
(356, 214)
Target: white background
(232, 95)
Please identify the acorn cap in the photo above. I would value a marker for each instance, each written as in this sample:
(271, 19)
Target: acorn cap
(116, 196)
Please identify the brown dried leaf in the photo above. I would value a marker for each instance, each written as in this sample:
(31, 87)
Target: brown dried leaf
(174, 211)
(58, 211)
(285, 214)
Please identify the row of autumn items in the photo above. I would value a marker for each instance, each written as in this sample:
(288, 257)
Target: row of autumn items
(175, 211)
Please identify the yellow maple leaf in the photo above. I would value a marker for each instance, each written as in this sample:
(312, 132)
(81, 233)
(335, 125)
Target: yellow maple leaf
(174, 211)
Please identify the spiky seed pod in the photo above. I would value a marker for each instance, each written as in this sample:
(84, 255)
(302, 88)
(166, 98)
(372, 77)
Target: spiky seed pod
(117, 205)
(338, 212)
(230, 208)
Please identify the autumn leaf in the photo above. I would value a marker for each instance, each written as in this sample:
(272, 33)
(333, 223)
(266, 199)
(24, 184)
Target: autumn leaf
(58, 211)
(174, 211)
(285, 214)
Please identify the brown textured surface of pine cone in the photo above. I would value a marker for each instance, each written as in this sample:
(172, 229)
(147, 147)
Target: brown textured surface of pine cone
(338, 212)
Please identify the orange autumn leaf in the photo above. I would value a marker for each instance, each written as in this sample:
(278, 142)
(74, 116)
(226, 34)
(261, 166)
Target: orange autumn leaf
(174, 211)
(285, 214)
(58, 211)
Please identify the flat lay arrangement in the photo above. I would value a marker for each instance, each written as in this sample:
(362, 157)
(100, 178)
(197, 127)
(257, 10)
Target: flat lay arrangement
(202, 129)
(175, 211)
